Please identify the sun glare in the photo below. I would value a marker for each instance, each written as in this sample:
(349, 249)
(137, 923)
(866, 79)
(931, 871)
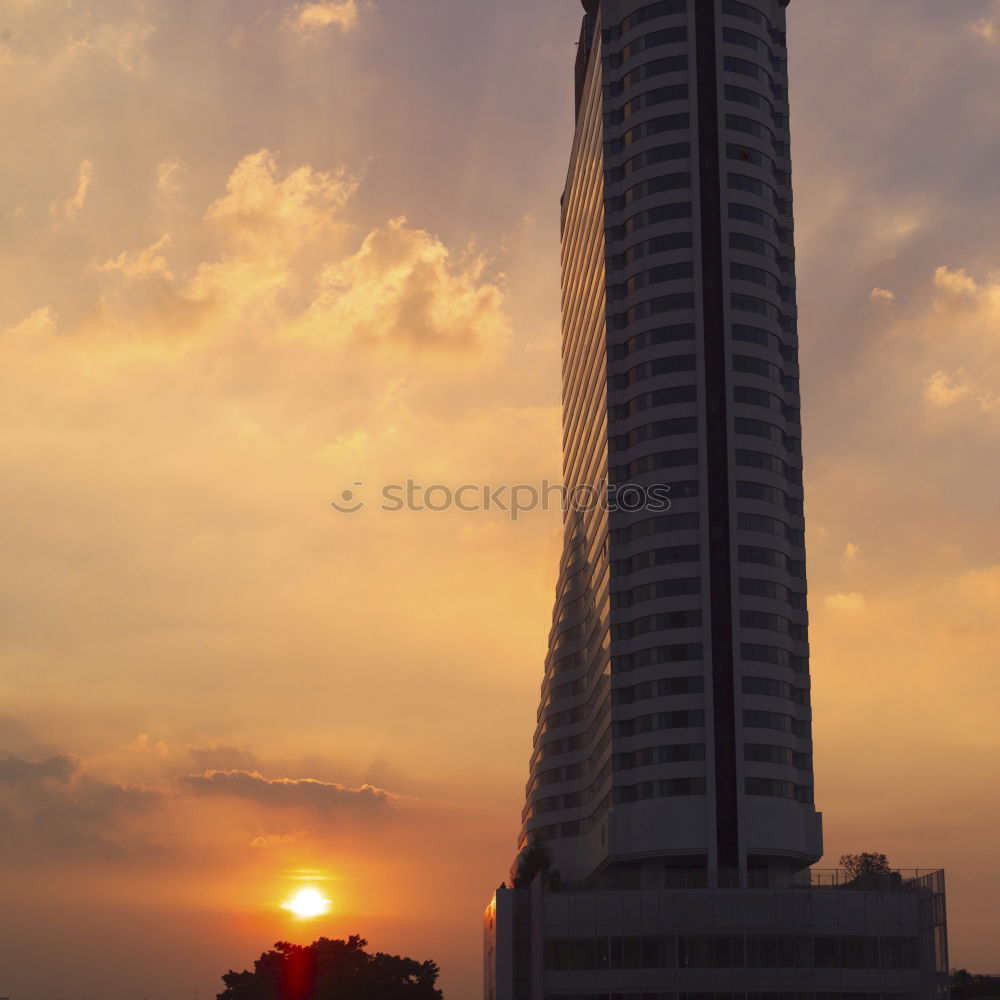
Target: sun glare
(307, 904)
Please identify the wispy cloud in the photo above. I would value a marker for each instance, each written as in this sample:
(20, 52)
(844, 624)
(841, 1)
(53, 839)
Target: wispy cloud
(851, 603)
(986, 30)
(140, 264)
(289, 792)
(70, 208)
(169, 174)
(943, 389)
(308, 18)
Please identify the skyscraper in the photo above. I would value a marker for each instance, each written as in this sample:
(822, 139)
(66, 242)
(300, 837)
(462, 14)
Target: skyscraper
(678, 666)
(671, 777)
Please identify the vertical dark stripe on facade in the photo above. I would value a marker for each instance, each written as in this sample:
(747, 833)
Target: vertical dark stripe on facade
(717, 427)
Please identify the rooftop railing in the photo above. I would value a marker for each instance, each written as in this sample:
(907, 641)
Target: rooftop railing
(638, 879)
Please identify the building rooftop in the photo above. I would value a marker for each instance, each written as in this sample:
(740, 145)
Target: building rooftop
(624, 879)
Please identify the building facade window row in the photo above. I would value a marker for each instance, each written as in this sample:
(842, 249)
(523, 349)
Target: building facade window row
(770, 589)
(662, 524)
(665, 788)
(667, 621)
(754, 718)
(776, 789)
(674, 459)
(647, 71)
(771, 688)
(671, 396)
(653, 217)
(682, 718)
(655, 97)
(653, 432)
(652, 40)
(656, 557)
(731, 952)
(755, 652)
(681, 652)
(663, 8)
(674, 753)
(763, 621)
(678, 302)
(766, 753)
(659, 336)
(766, 493)
(660, 590)
(738, 995)
(662, 688)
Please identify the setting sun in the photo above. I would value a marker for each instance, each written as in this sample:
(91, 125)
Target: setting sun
(307, 903)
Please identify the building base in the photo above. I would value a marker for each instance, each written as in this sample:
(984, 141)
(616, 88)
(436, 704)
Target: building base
(830, 939)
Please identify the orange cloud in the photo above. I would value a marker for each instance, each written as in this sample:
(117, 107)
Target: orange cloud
(308, 18)
(142, 264)
(260, 207)
(70, 208)
(850, 604)
(986, 30)
(404, 288)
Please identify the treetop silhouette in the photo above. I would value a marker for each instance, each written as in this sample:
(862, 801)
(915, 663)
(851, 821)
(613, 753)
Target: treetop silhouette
(332, 970)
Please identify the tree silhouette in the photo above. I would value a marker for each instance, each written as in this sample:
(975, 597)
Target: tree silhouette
(961, 984)
(332, 970)
(965, 986)
(869, 871)
(859, 865)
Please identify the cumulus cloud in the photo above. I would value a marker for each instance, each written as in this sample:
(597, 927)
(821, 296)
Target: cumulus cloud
(283, 269)
(70, 208)
(956, 282)
(261, 209)
(883, 295)
(308, 18)
(405, 288)
(307, 793)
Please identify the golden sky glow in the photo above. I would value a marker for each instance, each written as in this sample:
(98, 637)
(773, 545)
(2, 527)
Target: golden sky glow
(255, 253)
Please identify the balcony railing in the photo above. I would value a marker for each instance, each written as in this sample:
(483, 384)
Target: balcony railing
(615, 880)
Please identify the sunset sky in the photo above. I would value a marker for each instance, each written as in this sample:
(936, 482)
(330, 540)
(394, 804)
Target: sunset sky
(253, 254)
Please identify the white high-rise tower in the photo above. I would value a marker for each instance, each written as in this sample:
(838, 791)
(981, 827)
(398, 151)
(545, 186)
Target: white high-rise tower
(675, 719)
(672, 761)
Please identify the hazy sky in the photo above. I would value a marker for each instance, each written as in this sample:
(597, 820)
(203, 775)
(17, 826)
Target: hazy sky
(254, 254)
